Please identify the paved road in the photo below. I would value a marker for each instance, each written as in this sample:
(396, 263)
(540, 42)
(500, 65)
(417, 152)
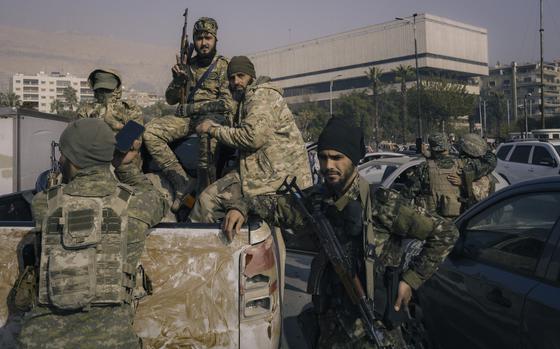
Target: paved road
(295, 299)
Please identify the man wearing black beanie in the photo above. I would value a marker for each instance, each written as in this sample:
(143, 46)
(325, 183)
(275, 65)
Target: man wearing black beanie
(371, 233)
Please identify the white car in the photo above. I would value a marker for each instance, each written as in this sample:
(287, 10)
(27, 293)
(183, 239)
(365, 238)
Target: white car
(519, 161)
(381, 155)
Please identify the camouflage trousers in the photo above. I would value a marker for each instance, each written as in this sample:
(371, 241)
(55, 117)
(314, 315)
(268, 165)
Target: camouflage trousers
(100, 327)
(162, 131)
(210, 204)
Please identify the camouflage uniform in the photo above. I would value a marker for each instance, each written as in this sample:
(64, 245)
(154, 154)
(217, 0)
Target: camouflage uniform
(100, 326)
(428, 193)
(116, 113)
(393, 221)
(270, 148)
(211, 100)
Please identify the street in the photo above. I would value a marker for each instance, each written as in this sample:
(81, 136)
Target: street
(295, 298)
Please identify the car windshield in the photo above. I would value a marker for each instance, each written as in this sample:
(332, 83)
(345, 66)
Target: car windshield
(557, 148)
(377, 172)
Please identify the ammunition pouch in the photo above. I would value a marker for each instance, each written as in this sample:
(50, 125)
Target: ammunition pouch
(23, 295)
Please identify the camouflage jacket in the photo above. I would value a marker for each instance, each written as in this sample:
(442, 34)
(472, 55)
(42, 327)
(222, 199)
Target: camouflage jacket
(419, 181)
(146, 207)
(271, 146)
(213, 96)
(116, 113)
(393, 221)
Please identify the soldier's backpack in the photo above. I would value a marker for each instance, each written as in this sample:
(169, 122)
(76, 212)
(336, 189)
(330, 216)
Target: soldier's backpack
(84, 251)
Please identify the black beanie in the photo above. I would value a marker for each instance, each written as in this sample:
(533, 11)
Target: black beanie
(241, 64)
(342, 136)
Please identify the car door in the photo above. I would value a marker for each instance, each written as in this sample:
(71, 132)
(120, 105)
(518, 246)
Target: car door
(476, 299)
(541, 314)
(518, 167)
(543, 163)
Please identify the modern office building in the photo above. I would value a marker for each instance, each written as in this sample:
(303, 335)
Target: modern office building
(40, 90)
(309, 70)
(527, 85)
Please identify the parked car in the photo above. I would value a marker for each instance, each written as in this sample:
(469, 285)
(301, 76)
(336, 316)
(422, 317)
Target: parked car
(380, 155)
(519, 161)
(499, 286)
(392, 173)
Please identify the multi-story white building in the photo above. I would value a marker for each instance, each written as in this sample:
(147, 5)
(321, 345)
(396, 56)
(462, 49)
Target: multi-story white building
(142, 99)
(308, 70)
(40, 90)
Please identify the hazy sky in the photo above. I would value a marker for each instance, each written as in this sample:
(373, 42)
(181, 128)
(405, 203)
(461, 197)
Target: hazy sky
(247, 26)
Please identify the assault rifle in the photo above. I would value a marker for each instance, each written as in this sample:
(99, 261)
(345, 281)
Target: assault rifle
(341, 263)
(54, 171)
(185, 54)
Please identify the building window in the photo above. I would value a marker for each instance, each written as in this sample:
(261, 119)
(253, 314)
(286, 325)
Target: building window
(18, 88)
(18, 81)
(30, 82)
(62, 83)
(51, 82)
(51, 89)
(43, 82)
(527, 79)
(43, 97)
(506, 82)
(492, 83)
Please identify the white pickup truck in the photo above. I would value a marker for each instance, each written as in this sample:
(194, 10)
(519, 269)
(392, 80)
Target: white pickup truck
(206, 293)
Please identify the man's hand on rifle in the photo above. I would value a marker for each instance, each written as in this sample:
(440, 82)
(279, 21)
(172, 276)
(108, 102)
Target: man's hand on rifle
(404, 295)
(178, 70)
(205, 125)
(232, 223)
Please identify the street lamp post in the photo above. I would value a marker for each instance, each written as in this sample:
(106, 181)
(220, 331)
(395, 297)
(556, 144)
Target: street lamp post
(419, 109)
(330, 91)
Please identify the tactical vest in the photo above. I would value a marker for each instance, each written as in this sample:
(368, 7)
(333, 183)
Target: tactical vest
(84, 251)
(445, 197)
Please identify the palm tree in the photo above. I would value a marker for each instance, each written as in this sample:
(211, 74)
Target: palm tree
(402, 75)
(374, 75)
(9, 99)
(71, 97)
(57, 106)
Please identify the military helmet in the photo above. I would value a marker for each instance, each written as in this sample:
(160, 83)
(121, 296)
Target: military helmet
(104, 78)
(438, 142)
(473, 145)
(206, 24)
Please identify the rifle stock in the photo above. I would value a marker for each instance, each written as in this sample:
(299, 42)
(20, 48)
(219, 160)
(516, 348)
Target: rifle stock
(340, 262)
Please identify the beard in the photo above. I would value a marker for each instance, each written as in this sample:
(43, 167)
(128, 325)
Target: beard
(344, 177)
(238, 94)
(206, 58)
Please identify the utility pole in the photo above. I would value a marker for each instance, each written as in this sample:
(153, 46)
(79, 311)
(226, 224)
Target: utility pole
(418, 85)
(480, 115)
(485, 128)
(514, 89)
(541, 30)
(507, 106)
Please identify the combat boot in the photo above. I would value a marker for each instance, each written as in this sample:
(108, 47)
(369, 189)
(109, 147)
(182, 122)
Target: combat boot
(181, 184)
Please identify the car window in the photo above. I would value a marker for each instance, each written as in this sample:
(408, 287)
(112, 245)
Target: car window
(503, 152)
(541, 156)
(521, 154)
(512, 233)
(403, 180)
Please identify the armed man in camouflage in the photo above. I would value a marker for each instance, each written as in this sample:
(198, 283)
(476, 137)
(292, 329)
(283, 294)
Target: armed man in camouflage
(438, 184)
(91, 231)
(371, 233)
(109, 106)
(269, 143)
(209, 96)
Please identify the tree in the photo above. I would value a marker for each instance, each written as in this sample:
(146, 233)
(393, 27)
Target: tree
(311, 118)
(9, 99)
(374, 75)
(402, 75)
(57, 106)
(443, 101)
(70, 97)
(356, 107)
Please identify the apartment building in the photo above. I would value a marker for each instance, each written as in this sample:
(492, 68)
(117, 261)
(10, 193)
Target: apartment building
(40, 90)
